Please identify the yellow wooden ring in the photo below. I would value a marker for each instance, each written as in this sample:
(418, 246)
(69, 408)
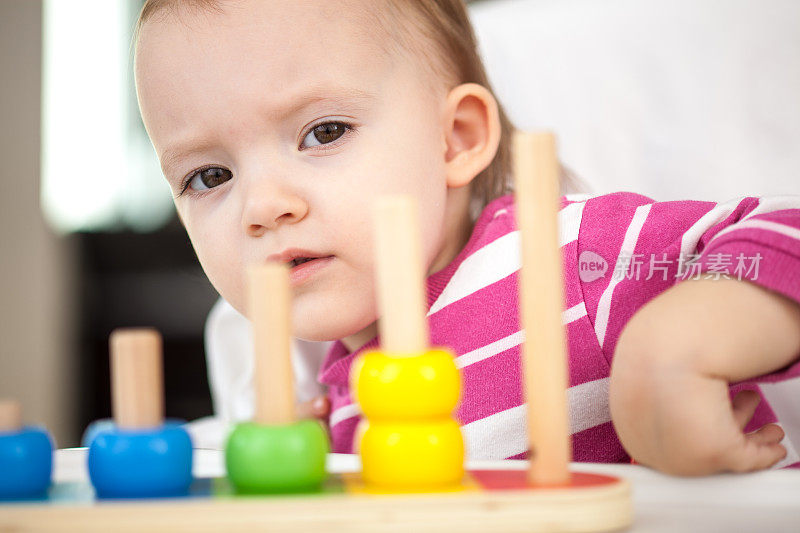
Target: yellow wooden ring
(412, 455)
(396, 387)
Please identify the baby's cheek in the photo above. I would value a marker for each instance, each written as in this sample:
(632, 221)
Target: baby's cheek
(222, 265)
(216, 275)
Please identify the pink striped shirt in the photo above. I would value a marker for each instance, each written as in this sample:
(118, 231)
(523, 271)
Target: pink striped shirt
(645, 246)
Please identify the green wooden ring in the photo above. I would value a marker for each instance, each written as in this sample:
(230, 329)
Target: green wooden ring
(274, 459)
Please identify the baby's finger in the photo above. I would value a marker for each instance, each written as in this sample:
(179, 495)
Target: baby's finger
(318, 407)
(744, 406)
(767, 434)
(755, 455)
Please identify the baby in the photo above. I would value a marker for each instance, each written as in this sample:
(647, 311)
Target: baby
(276, 142)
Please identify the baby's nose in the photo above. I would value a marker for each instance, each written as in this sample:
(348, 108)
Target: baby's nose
(264, 211)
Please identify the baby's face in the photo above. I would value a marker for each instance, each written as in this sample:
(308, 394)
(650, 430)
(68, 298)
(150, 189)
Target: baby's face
(277, 125)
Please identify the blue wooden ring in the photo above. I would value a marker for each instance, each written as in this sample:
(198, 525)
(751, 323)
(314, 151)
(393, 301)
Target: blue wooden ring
(153, 463)
(26, 463)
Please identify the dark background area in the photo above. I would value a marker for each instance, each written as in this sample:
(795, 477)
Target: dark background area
(143, 280)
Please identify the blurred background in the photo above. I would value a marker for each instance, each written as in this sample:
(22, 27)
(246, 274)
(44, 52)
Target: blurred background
(674, 99)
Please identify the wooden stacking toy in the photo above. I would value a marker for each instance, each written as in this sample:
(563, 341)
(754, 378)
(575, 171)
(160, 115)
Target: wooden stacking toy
(406, 391)
(141, 457)
(275, 452)
(26, 456)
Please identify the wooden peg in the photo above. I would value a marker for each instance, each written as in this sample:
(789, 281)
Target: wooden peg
(10, 416)
(270, 314)
(400, 276)
(544, 357)
(137, 378)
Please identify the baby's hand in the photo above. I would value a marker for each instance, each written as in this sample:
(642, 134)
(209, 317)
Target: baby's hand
(319, 407)
(672, 367)
(686, 425)
(741, 452)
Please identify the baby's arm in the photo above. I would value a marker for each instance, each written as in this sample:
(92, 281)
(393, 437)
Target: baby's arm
(671, 370)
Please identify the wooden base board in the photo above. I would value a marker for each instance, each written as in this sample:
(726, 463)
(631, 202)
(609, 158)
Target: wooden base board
(596, 506)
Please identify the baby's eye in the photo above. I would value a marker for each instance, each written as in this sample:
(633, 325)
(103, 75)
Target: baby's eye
(208, 178)
(324, 133)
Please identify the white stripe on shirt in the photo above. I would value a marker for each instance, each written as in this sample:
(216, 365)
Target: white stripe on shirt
(497, 436)
(569, 223)
(572, 314)
(490, 350)
(501, 258)
(495, 261)
(767, 225)
(343, 413)
(625, 253)
(714, 216)
(768, 204)
(504, 434)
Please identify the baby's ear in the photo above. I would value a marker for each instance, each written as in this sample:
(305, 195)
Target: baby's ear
(472, 132)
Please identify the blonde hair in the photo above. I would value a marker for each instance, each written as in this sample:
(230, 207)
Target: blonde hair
(445, 24)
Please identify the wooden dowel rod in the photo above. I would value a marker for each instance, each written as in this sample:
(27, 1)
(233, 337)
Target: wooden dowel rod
(544, 357)
(10, 416)
(137, 378)
(403, 325)
(270, 314)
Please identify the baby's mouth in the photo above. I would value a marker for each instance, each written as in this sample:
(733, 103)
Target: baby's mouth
(302, 260)
(306, 268)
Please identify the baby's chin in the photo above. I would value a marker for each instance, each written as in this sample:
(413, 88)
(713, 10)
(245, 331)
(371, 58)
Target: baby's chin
(315, 336)
(327, 328)
(309, 330)
(323, 317)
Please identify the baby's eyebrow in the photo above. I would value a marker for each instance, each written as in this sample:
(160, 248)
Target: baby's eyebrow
(171, 156)
(324, 93)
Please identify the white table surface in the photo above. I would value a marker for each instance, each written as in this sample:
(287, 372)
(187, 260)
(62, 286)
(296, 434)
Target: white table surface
(767, 501)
